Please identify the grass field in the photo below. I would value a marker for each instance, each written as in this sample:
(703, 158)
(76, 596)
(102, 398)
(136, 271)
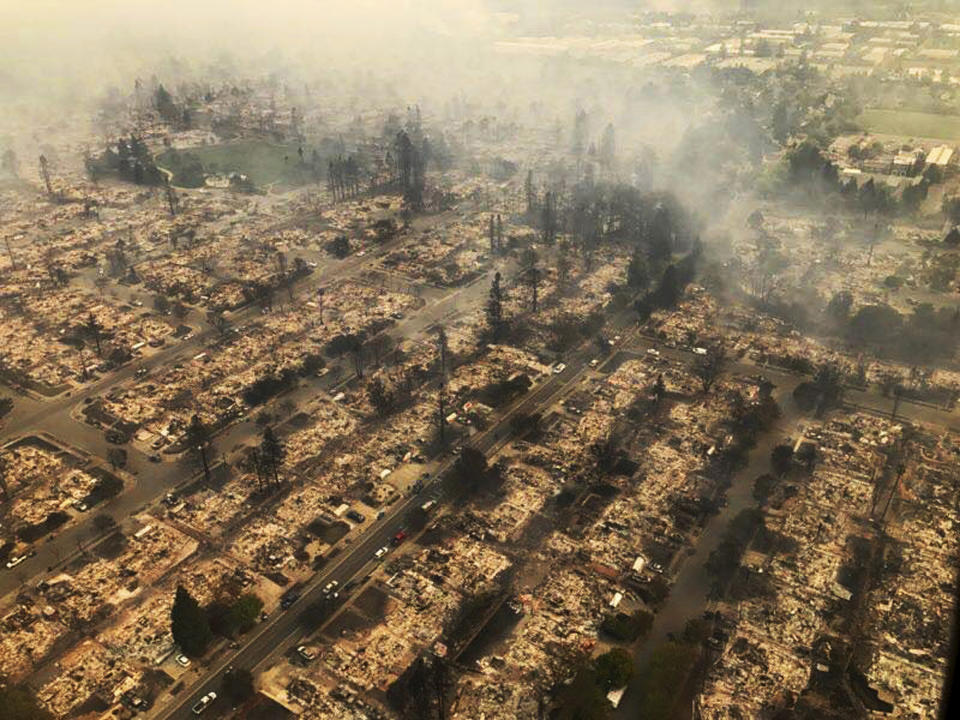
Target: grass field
(264, 163)
(911, 124)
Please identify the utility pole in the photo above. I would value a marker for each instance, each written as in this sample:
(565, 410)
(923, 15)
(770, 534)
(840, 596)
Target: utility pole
(320, 303)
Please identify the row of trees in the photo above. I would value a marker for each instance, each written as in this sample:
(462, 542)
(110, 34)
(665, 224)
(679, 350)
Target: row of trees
(193, 627)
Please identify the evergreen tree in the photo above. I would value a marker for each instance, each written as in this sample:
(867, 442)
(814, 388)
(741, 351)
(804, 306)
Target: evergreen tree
(198, 441)
(189, 624)
(273, 452)
(495, 307)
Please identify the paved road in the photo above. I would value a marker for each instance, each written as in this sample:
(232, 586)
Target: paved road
(281, 631)
(31, 416)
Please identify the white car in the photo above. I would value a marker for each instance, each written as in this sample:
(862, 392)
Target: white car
(594, 363)
(559, 368)
(183, 660)
(699, 351)
(330, 590)
(653, 352)
(203, 702)
(381, 552)
(306, 654)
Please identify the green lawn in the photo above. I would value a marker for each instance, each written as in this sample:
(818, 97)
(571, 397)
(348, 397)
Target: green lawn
(263, 162)
(911, 124)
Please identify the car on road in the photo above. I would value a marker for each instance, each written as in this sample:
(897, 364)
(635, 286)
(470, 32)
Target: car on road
(183, 660)
(397, 315)
(141, 372)
(14, 561)
(306, 654)
(594, 362)
(379, 554)
(330, 589)
(399, 537)
(699, 351)
(653, 352)
(559, 368)
(289, 599)
(355, 516)
(204, 702)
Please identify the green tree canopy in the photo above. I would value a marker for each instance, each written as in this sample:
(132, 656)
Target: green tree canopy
(189, 624)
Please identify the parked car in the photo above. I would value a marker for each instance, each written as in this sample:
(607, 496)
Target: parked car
(559, 368)
(203, 702)
(289, 599)
(355, 516)
(183, 660)
(379, 554)
(330, 589)
(306, 654)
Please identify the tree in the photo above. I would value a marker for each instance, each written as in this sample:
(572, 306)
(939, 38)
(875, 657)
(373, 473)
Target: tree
(179, 310)
(495, 308)
(533, 277)
(19, 703)
(4, 488)
(104, 523)
(638, 276)
(529, 193)
(237, 685)
(380, 398)
(199, 442)
(659, 388)
(161, 304)
(471, 467)
(117, 457)
(838, 309)
(254, 462)
(709, 367)
(217, 320)
(189, 624)
(781, 457)
(45, 174)
(164, 104)
(244, 612)
(94, 329)
(614, 669)
(339, 247)
(273, 452)
(564, 263)
(549, 223)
